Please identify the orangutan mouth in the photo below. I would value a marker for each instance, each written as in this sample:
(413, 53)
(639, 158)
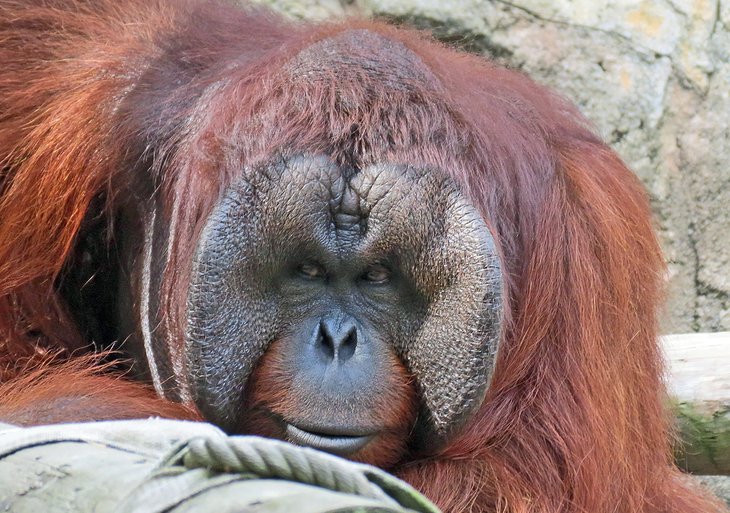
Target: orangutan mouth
(331, 441)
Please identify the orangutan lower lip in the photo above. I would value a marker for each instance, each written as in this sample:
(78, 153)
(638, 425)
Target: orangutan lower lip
(341, 445)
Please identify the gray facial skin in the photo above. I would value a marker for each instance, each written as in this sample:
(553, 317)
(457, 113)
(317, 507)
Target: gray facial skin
(385, 259)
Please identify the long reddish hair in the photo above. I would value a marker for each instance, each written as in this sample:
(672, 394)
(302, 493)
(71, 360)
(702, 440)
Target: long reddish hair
(574, 420)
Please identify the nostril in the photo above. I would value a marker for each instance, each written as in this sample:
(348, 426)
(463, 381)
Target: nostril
(348, 345)
(325, 342)
(337, 342)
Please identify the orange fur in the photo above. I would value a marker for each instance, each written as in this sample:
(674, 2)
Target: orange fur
(78, 390)
(574, 419)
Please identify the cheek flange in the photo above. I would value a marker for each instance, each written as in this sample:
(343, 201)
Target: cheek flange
(452, 259)
(233, 302)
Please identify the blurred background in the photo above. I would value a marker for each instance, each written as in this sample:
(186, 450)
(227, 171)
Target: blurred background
(654, 78)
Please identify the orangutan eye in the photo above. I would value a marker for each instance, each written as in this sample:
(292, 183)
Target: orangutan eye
(377, 274)
(311, 271)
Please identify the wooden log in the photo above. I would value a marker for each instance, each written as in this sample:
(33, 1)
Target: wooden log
(698, 379)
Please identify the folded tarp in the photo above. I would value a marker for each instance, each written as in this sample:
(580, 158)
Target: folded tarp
(156, 466)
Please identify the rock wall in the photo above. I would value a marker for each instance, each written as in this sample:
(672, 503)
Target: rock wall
(653, 76)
